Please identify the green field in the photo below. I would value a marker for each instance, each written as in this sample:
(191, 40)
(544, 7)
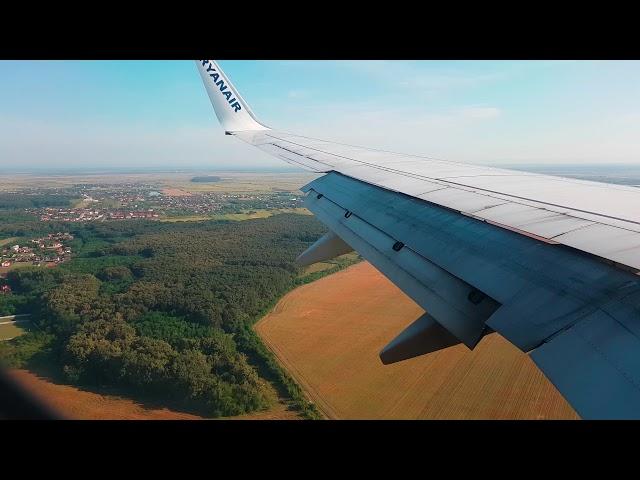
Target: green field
(238, 217)
(322, 266)
(7, 241)
(80, 203)
(230, 181)
(15, 266)
(12, 330)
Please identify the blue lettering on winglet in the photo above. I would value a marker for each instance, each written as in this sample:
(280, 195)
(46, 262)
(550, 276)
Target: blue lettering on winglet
(219, 82)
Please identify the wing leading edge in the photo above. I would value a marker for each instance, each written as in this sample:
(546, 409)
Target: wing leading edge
(549, 263)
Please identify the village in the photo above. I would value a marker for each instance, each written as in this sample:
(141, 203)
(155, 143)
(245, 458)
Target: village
(99, 202)
(144, 201)
(90, 214)
(50, 250)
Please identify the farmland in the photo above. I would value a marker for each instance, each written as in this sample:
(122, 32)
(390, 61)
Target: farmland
(229, 181)
(7, 241)
(249, 215)
(12, 330)
(14, 266)
(175, 192)
(328, 335)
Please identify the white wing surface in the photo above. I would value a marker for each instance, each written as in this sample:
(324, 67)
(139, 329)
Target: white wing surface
(550, 263)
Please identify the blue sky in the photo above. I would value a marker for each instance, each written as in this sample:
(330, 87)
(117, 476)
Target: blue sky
(99, 114)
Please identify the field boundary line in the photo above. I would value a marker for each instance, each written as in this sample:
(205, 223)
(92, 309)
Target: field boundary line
(310, 392)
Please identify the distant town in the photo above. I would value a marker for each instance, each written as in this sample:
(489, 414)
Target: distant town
(130, 201)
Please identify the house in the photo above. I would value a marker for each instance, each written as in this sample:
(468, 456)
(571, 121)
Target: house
(6, 264)
(5, 289)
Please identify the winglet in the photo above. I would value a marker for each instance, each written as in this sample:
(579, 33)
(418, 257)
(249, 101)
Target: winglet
(232, 111)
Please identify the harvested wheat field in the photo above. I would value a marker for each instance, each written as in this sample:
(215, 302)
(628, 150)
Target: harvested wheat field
(175, 192)
(328, 334)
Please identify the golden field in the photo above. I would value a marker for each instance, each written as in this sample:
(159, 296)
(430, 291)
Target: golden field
(328, 334)
(174, 182)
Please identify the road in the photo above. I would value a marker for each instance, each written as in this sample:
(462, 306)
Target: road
(8, 319)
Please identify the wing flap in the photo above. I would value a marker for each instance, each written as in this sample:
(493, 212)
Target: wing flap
(445, 296)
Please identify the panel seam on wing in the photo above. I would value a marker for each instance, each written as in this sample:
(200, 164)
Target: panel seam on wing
(477, 190)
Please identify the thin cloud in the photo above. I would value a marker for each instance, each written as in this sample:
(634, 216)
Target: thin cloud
(480, 112)
(298, 94)
(413, 76)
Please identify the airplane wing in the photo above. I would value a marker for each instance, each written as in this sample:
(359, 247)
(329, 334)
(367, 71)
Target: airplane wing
(550, 263)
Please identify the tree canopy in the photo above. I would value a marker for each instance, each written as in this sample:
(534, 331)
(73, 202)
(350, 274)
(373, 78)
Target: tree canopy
(165, 309)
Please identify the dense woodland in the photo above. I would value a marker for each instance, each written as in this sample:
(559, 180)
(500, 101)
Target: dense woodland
(206, 179)
(163, 310)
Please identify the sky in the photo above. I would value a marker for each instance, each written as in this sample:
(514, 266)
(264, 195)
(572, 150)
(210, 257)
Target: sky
(156, 114)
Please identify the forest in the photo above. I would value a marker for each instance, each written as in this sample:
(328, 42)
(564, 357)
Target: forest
(163, 310)
(206, 179)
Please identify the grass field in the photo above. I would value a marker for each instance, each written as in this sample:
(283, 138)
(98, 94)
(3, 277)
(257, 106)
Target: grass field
(322, 266)
(328, 335)
(14, 266)
(230, 181)
(7, 241)
(317, 267)
(12, 330)
(80, 203)
(175, 192)
(248, 182)
(237, 216)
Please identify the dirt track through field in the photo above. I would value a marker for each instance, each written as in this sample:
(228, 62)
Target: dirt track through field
(328, 334)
